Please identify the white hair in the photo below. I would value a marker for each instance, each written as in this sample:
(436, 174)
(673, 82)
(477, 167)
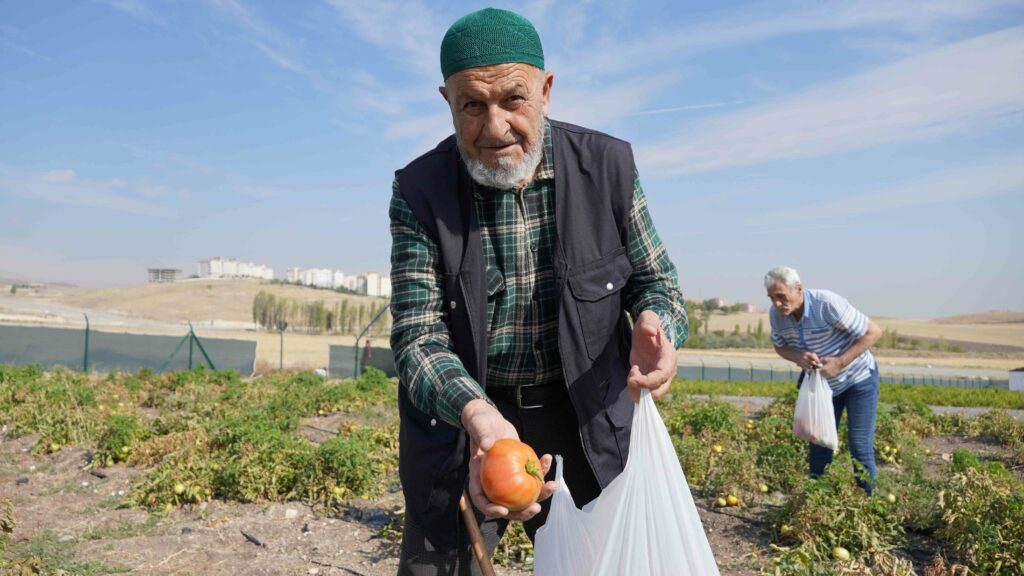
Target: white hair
(788, 276)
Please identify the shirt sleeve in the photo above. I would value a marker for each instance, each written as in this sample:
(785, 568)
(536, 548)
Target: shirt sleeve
(435, 378)
(774, 322)
(654, 284)
(842, 316)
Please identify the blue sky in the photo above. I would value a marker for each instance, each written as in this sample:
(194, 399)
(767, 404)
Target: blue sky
(878, 147)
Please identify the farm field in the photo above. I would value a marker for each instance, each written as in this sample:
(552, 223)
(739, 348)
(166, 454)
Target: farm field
(289, 473)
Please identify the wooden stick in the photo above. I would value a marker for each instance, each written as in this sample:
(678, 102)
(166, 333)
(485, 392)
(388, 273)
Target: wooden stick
(476, 538)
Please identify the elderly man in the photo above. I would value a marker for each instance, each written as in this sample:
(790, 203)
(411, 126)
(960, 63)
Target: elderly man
(820, 330)
(520, 244)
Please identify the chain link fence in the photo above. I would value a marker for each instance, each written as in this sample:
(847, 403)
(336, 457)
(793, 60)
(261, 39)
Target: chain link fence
(105, 351)
(750, 371)
(93, 350)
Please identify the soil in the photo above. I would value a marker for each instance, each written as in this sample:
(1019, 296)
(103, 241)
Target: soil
(58, 501)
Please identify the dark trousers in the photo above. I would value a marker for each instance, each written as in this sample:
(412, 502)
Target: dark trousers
(860, 401)
(551, 429)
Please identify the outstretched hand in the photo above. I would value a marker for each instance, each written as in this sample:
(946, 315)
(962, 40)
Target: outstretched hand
(653, 358)
(485, 426)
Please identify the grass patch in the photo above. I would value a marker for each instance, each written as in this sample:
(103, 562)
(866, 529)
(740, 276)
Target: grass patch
(124, 530)
(47, 555)
(891, 393)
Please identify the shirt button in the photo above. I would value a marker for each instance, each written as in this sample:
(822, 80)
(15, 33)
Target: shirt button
(533, 247)
(433, 421)
(608, 286)
(452, 304)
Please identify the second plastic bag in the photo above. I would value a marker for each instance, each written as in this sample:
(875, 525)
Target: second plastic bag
(814, 419)
(644, 523)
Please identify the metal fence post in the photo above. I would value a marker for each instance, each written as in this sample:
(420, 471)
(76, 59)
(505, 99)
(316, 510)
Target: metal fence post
(383, 309)
(280, 361)
(85, 358)
(702, 376)
(751, 371)
(729, 373)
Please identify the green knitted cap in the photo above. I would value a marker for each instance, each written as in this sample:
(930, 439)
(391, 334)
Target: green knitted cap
(487, 37)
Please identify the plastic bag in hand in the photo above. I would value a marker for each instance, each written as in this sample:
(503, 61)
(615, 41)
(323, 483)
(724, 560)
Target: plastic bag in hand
(814, 419)
(643, 523)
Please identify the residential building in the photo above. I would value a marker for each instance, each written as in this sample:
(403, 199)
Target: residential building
(164, 275)
(218, 267)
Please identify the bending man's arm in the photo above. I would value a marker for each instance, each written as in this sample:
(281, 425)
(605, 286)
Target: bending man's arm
(833, 366)
(805, 360)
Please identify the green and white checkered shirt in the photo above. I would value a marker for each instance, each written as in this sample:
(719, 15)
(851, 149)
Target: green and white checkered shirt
(518, 232)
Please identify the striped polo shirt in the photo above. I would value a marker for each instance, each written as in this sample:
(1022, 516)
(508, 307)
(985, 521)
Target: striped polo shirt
(829, 326)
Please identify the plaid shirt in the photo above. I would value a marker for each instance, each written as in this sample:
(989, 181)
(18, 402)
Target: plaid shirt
(518, 231)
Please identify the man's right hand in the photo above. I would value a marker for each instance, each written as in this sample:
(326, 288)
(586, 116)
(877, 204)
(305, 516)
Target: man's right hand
(485, 425)
(809, 361)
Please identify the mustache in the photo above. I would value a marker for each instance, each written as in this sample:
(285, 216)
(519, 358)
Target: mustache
(486, 143)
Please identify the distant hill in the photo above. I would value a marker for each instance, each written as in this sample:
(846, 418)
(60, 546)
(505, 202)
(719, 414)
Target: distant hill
(990, 317)
(195, 300)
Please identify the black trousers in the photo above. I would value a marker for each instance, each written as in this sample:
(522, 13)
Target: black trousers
(551, 429)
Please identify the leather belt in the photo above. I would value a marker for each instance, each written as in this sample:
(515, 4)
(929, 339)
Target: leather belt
(529, 396)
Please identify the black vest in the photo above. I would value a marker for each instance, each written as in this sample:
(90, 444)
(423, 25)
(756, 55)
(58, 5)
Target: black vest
(594, 180)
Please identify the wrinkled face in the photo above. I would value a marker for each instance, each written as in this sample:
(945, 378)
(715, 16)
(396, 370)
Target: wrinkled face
(785, 299)
(499, 114)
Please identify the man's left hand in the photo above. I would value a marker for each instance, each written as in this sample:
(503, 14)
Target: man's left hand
(653, 358)
(831, 367)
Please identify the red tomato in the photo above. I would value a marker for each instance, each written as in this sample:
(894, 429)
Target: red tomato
(511, 474)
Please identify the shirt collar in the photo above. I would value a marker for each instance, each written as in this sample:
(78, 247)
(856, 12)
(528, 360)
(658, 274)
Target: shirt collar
(546, 169)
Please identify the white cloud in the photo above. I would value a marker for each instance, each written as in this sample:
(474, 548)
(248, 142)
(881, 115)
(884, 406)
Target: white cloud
(35, 263)
(64, 187)
(685, 108)
(136, 8)
(407, 29)
(258, 192)
(990, 178)
(59, 176)
(600, 107)
(953, 88)
(268, 40)
(766, 20)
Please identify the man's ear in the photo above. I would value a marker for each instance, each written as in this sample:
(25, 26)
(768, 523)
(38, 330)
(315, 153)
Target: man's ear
(444, 94)
(549, 79)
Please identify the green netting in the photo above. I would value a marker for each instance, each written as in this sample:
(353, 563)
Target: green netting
(342, 360)
(109, 352)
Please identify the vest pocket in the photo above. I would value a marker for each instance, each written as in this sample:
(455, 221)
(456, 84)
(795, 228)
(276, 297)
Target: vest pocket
(597, 290)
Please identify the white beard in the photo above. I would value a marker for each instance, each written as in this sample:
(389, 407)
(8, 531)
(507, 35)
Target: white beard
(506, 175)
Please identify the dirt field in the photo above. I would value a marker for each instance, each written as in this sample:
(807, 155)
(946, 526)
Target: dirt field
(77, 519)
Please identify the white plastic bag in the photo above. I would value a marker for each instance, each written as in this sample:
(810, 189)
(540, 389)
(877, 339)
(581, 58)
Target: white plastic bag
(814, 419)
(643, 524)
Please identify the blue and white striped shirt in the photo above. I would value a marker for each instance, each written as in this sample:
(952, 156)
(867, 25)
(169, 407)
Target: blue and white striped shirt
(829, 326)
